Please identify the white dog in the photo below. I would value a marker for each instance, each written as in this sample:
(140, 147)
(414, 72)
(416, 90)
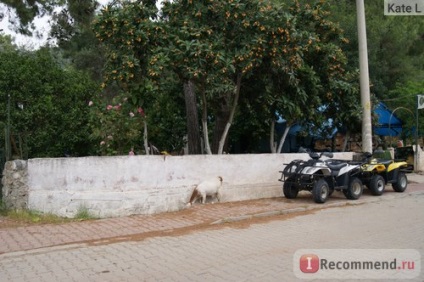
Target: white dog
(206, 188)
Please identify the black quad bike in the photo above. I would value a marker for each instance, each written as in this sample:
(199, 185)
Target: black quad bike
(322, 177)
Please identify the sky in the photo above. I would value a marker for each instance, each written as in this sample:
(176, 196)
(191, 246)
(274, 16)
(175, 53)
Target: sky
(42, 26)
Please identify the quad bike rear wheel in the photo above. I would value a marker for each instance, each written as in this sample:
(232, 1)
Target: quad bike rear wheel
(354, 189)
(377, 185)
(290, 189)
(401, 182)
(320, 191)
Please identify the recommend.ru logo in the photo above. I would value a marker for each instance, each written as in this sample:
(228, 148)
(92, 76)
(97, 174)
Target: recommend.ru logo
(357, 263)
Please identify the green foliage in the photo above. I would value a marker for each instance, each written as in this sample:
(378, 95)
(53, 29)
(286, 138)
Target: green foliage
(32, 217)
(128, 33)
(48, 103)
(403, 100)
(6, 43)
(292, 56)
(25, 217)
(214, 38)
(3, 209)
(315, 84)
(394, 44)
(295, 52)
(83, 213)
(166, 119)
(116, 126)
(72, 29)
(395, 55)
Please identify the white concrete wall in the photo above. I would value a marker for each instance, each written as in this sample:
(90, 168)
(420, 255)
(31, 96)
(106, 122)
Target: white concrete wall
(125, 185)
(418, 159)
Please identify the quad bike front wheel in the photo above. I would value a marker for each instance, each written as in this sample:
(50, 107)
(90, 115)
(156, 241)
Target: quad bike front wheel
(377, 185)
(320, 191)
(401, 182)
(290, 189)
(354, 189)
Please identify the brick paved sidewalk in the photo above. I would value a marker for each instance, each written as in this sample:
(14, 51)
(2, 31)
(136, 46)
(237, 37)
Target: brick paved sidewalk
(103, 231)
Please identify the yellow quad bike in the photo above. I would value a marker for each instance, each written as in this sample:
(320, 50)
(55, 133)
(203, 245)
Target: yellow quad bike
(376, 173)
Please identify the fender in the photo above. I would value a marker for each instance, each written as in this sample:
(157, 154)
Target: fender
(396, 165)
(371, 167)
(311, 170)
(374, 165)
(347, 169)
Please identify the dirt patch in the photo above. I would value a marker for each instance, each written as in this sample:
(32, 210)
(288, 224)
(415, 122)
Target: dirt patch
(242, 224)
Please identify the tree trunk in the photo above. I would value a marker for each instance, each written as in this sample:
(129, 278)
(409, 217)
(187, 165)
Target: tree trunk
(193, 134)
(345, 141)
(221, 120)
(145, 138)
(224, 136)
(205, 122)
(272, 143)
(283, 138)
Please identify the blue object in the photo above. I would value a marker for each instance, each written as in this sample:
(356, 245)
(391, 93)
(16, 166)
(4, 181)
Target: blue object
(388, 124)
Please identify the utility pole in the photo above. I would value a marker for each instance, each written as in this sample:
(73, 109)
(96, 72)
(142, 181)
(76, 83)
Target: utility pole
(364, 78)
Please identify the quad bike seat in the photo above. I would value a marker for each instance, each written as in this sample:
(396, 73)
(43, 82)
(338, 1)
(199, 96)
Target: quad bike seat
(336, 166)
(384, 162)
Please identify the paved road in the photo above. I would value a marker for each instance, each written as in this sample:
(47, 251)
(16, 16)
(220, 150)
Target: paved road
(241, 251)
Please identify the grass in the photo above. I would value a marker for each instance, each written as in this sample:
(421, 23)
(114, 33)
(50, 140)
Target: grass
(3, 210)
(29, 216)
(83, 214)
(35, 217)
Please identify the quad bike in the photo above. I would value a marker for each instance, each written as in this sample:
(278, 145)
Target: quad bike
(322, 177)
(376, 173)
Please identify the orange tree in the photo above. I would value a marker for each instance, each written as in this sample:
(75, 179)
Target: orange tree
(131, 38)
(203, 43)
(213, 46)
(317, 87)
(303, 75)
(338, 87)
